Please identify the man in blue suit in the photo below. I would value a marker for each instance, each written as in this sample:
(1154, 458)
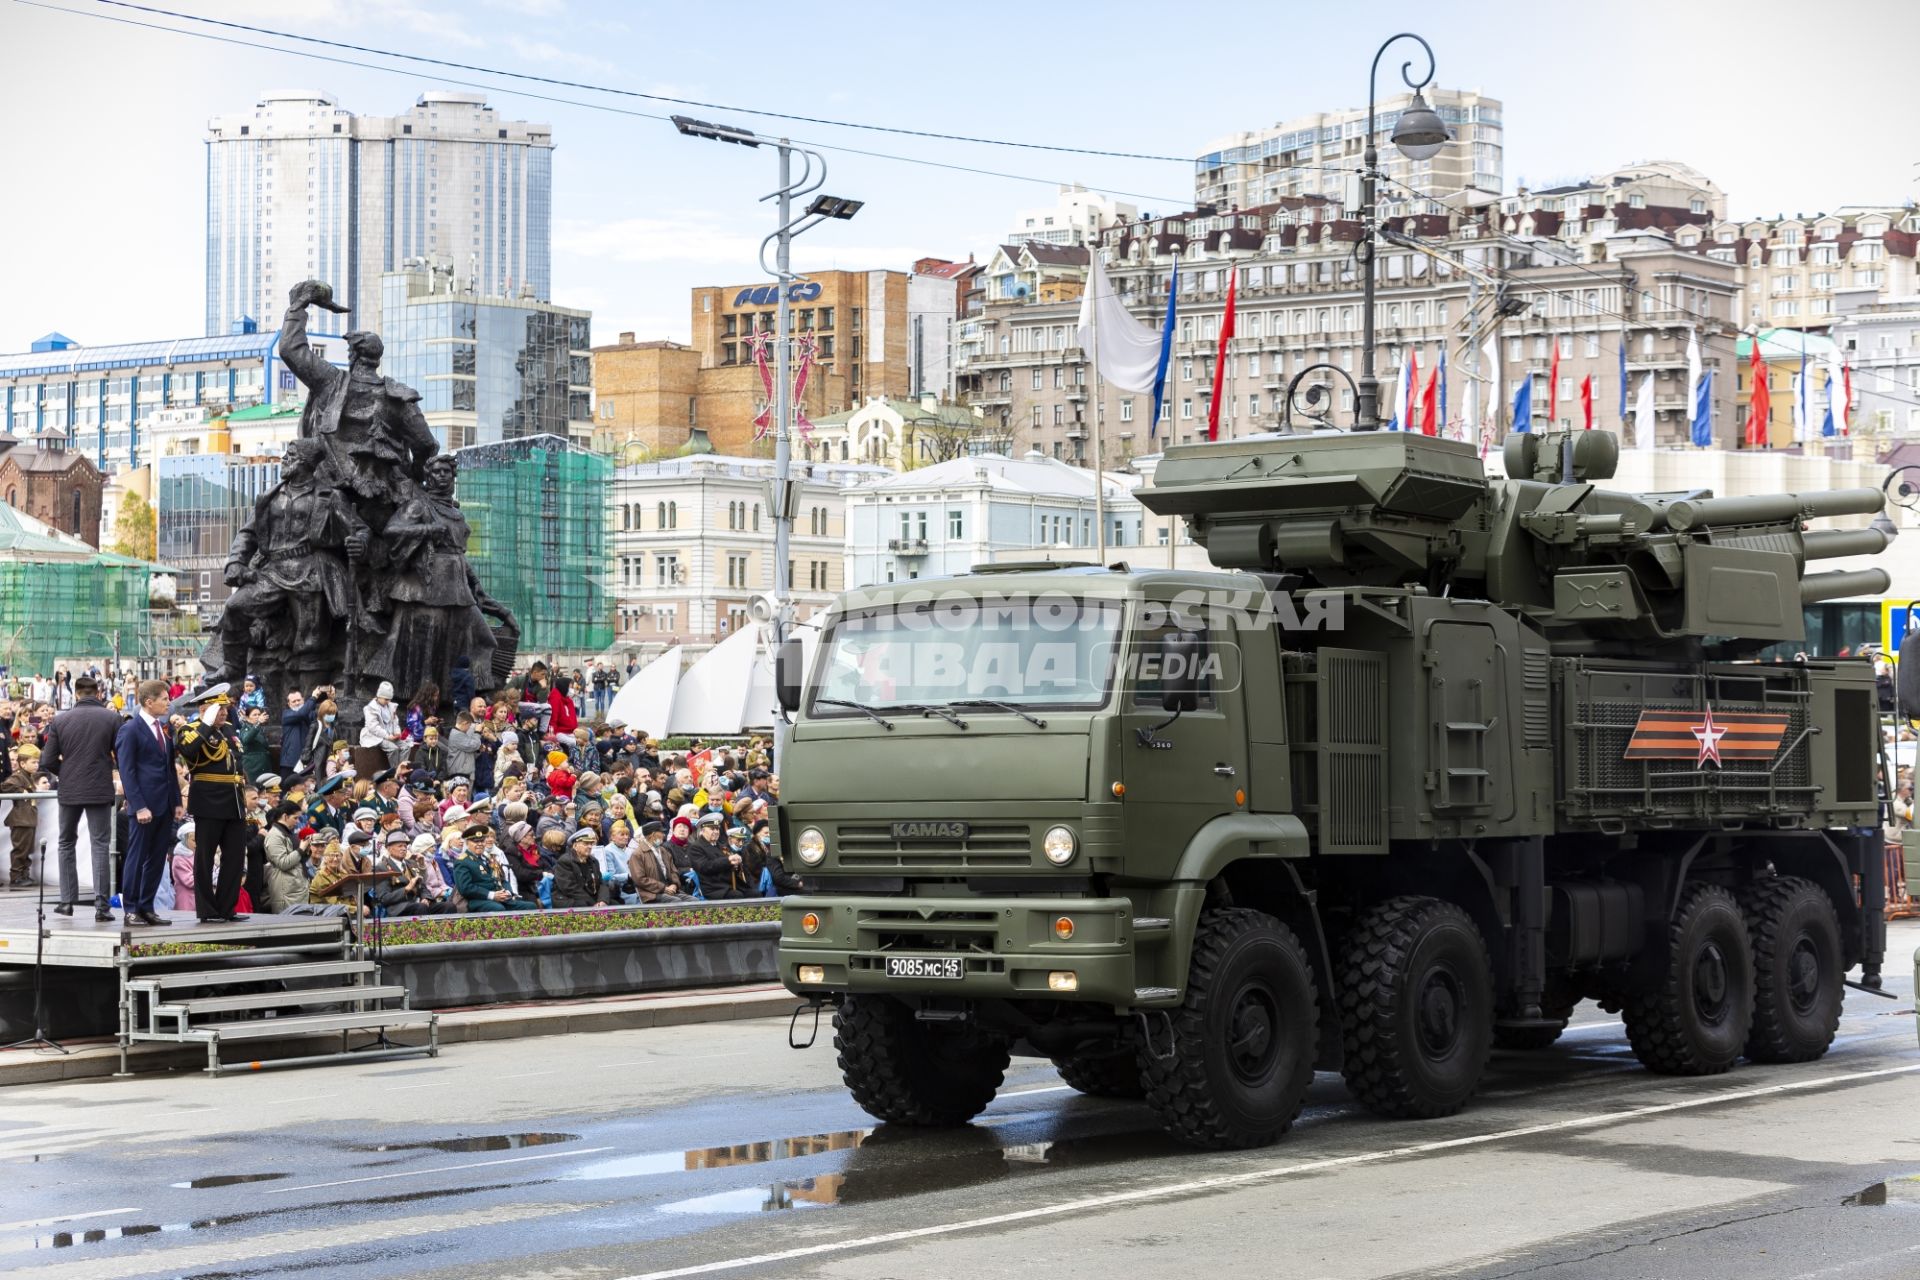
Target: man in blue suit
(144, 753)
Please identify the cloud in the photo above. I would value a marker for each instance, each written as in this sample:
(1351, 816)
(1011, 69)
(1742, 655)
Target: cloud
(685, 238)
(549, 54)
(530, 8)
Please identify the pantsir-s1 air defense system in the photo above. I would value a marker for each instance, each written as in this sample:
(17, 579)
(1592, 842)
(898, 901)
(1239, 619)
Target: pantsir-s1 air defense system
(1430, 759)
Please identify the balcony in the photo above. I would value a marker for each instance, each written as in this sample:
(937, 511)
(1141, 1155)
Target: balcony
(907, 546)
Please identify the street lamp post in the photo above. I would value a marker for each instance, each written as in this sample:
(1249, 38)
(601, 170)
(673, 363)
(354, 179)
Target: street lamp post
(1419, 134)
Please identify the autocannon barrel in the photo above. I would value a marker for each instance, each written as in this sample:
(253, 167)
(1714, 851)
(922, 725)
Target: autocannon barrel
(1691, 513)
(1826, 544)
(1846, 582)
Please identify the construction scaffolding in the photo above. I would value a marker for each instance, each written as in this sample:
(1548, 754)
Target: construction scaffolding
(536, 507)
(56, 611)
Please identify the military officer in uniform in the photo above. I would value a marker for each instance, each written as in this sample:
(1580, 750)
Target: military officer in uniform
(216, 802)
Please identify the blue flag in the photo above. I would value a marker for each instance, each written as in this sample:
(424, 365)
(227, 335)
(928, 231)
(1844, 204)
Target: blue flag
(1523, 405)
(1826, 423)
(1703, 411)
(1623, 381)
(1166, 349)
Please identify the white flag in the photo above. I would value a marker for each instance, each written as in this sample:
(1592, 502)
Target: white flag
(1693, 364)
(1799, 409)
(1128, 351)
(1836, 389)
(1643, 414)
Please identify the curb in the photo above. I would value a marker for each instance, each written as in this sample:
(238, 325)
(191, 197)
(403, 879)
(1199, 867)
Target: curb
(96, 1059)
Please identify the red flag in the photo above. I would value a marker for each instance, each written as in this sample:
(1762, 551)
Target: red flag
(1427, 402)
(1553, 387)
(1586, 401)
(1220, 359)
(1759, 403)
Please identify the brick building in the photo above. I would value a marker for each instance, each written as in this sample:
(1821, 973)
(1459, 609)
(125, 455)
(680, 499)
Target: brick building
(52, 483)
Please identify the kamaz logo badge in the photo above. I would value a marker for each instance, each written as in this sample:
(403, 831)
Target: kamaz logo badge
(767, 294)
(930, 831)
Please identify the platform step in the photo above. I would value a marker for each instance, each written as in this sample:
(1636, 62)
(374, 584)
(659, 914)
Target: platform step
(1147, 995)
(275, 1028)
(254, 973)
(1152, 924)
(276, 1000)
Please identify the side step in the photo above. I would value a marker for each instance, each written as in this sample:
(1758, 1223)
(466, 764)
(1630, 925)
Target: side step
(277, 1000)
(256, 973)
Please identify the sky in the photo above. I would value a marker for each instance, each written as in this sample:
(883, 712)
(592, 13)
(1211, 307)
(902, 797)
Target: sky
(1789, 108)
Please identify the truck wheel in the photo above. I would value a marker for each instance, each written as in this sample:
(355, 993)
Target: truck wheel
(1694, 1023)
(902, 1070)
(1416, 1008)
(1243, 1039)
(1109, 1073)
(1796, 969)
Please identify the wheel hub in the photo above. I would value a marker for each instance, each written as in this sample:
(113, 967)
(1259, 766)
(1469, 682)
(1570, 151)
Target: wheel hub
(1439, 1013)
(1252, 1034)
(1803, 975)
(1711, 983)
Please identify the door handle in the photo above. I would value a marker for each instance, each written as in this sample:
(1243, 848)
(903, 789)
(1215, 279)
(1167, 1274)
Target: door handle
(1224, 770)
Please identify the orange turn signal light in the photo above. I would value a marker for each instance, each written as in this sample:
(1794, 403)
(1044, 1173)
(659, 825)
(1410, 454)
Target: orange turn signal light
(810, 923)
(1063, 928)
(1239, 797)
(1119, 789)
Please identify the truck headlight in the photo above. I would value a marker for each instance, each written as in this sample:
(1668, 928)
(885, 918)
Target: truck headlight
(811, 846)
(1058, 845)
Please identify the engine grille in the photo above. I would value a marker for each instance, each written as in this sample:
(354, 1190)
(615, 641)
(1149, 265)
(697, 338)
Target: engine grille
(986, 845)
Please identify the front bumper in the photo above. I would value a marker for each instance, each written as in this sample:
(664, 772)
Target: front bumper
(1009, 947)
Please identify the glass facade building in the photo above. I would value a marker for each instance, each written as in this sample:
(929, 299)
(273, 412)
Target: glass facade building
(488, 369)
(301, 188)
(202, 501)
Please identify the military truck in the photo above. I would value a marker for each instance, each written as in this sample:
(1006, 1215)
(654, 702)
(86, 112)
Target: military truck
(1428, 760)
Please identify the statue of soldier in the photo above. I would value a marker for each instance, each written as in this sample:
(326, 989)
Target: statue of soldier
(375, 436)
(289, 568)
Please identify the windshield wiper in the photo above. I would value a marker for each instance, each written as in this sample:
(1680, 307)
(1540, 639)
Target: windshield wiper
(927, 709)
(867, 711)
(995, 705)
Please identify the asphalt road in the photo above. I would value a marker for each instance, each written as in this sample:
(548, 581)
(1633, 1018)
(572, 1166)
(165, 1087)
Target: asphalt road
(715, 1150)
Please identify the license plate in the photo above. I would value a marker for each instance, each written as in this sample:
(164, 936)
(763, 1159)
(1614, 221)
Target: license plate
(948, 967)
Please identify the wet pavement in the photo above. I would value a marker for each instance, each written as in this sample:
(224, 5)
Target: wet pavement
(716, 1150)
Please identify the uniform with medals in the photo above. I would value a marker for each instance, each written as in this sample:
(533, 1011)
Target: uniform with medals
(216, 801)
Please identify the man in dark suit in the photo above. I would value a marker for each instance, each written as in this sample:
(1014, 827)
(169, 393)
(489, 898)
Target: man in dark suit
(79, 753)
(144, 754)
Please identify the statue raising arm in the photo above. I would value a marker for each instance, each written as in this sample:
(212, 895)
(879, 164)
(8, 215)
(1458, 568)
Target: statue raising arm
(306, 363)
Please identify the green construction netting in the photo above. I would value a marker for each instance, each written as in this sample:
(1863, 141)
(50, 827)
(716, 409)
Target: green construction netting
(537, 510)
(53, 612)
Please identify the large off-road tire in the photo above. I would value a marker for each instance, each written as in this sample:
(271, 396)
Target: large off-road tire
(1694, 1021)
(1797, 969)
(904, 1071)
(1416, 1008)
(1243, 1038)
(1109, 1073)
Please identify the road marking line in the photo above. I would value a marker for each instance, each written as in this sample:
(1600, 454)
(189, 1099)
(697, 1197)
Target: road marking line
(65, 1217)
(1024, 1093)
(1590, 1026)
(445, 1168)
(1254, 1176)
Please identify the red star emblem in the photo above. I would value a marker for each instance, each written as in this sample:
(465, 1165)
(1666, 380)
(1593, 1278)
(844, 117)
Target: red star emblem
(1708, 735)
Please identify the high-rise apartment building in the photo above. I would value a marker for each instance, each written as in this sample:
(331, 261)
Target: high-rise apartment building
(1318, 154)
(301, 188)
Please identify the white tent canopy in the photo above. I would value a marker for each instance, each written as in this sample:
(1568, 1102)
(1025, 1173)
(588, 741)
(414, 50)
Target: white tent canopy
(646, 701)
(715, 694)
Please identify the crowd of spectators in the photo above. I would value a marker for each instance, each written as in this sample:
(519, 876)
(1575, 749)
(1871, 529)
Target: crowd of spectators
(528, 799)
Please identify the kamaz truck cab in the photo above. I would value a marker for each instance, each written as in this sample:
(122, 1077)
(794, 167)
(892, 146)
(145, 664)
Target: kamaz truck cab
(1431, 760)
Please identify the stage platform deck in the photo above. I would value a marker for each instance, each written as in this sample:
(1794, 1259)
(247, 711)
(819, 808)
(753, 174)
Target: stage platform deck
(79, 941)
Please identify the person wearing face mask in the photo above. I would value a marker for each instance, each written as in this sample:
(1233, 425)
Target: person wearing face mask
(322, 739)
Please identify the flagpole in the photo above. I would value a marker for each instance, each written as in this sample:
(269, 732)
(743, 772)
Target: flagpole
(1099, 438)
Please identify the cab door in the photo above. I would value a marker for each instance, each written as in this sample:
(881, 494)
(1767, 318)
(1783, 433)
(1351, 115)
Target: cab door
(1180, 772)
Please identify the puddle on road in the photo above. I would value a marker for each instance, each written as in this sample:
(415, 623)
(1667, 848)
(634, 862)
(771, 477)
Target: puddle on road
(658, 1162)
(1897, 1191)
(227, 1180)
(485, 1142)
(882, 1166)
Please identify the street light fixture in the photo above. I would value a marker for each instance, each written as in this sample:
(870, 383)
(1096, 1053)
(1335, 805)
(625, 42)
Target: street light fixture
(1419, 134)
(717, 132)
(834, 207)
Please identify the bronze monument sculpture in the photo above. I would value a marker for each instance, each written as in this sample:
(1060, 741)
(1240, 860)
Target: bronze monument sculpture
(353, 569)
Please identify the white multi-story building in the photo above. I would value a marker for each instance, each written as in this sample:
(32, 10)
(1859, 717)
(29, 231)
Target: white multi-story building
(301, 188)
(952, 516)
(1319, 154)
(1881, 341)
(1078, 216)
(690, 544)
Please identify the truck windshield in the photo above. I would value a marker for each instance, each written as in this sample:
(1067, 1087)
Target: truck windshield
(1054, 651)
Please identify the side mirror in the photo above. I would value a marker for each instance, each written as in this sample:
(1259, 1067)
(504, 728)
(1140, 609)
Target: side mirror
(1907, 674)
(788, 672)
(1180, 660)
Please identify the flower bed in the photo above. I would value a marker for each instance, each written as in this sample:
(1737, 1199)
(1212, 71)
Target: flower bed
(494, 926)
